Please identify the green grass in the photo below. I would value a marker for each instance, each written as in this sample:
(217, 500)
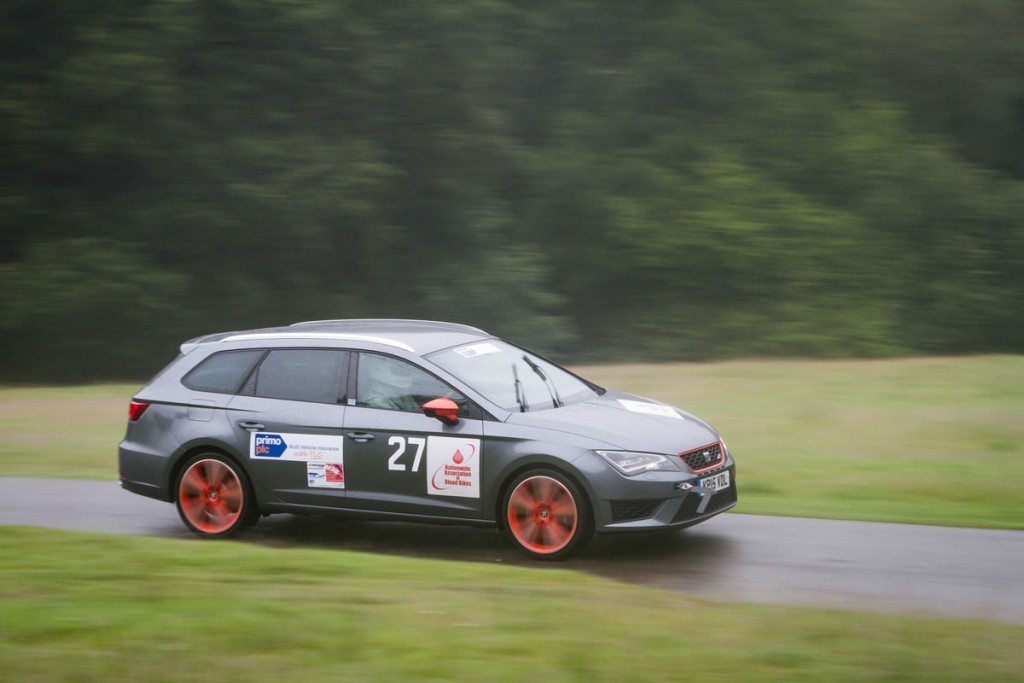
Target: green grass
(929, 441)
(129, 609)
(68, 432)
(933, 441)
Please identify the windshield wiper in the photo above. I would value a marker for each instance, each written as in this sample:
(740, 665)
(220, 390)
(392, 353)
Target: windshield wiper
(556, 400)
(520, 394)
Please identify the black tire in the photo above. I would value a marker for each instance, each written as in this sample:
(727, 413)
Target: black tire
(545, 515)
(214, 497)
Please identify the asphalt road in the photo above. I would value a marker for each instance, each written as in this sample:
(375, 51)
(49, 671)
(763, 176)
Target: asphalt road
(891, 568)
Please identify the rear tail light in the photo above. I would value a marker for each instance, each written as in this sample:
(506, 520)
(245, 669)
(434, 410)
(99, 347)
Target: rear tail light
(136, 409)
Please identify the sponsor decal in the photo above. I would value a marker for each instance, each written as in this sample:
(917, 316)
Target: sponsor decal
(453, 467)
(650, 408)
(304, 447)
(268, 446)
(326, 475)
(475, 350)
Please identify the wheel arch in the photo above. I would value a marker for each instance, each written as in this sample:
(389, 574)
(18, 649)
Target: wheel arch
(540, 462)
(187, 451)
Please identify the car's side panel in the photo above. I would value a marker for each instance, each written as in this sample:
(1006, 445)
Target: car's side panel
(410, 463)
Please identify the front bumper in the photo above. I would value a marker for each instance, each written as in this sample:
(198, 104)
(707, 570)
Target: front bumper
(666, 505)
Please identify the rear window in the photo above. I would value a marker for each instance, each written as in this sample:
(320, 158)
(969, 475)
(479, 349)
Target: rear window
(222, 373)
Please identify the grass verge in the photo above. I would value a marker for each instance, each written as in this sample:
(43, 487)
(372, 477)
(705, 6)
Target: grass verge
(64, 432)
(930, 441)
(87, 607)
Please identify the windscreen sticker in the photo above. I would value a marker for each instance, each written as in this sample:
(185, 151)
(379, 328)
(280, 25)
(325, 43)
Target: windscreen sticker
(326, 475)
(475, 350)
(305, 447)
(453, 467)
(650, 408)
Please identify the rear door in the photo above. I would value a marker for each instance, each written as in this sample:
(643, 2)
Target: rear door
(288, 419)
(398, 459)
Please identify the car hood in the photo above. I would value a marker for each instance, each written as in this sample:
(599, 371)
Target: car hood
(625, 422)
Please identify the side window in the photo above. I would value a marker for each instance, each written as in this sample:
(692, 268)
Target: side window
(394, 384)
(223, 372)
(301, 375)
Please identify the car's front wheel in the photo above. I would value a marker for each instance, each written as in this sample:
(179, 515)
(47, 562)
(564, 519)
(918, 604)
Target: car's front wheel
(546, 515)
(213, 496)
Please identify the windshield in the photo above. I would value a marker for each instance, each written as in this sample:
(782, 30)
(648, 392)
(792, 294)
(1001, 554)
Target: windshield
(512, 378)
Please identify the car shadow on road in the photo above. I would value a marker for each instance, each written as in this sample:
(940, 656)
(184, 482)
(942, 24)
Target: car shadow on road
(647, 559)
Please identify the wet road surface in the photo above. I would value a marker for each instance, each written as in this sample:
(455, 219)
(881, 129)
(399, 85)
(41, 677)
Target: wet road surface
(891, 568)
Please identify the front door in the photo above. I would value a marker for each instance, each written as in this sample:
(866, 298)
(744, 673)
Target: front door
(398, 459)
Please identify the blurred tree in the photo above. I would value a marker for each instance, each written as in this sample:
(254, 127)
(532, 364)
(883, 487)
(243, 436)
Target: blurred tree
(956, 66)
(78, 309)
(642, 180)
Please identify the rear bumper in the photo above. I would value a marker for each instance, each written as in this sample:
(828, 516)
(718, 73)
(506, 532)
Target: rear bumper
(143, 472)
(144, 489)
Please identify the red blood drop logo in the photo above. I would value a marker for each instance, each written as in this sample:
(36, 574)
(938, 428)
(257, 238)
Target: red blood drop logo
(457, 458)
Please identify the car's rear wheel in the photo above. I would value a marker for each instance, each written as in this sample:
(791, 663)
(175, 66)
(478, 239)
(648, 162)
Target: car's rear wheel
(546, 515)
(213, 496)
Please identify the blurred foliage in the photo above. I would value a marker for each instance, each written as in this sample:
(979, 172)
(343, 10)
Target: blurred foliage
(600, 180)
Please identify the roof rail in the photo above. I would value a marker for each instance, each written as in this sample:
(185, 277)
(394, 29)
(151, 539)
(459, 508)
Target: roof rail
(373, 321)
(319, 335)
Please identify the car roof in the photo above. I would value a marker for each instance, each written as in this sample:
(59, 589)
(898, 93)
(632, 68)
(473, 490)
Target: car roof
(415, 336)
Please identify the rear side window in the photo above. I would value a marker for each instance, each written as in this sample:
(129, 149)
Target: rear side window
(223, 372)
(301, 375)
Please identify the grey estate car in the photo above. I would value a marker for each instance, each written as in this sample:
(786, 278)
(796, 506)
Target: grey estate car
(416, 421)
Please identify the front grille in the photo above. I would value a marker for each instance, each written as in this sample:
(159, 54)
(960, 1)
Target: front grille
(719, 501)
(703, 458)
(632, 510)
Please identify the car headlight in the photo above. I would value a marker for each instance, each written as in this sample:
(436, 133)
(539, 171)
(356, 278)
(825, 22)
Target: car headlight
(631, 464)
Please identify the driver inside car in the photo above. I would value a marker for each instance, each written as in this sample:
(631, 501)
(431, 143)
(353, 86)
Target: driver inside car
(386, 383)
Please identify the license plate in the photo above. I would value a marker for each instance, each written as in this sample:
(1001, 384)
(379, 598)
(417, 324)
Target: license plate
(715, 483)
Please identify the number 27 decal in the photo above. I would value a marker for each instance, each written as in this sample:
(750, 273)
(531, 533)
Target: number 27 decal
(399, 442)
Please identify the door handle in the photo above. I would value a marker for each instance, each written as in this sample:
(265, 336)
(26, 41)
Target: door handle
(360, 437)
(251, 426)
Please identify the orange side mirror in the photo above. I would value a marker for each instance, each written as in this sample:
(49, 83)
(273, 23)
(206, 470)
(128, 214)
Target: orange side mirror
(444, 409)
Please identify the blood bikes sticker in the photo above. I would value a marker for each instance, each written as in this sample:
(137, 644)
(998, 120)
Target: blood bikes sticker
(453, 467)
